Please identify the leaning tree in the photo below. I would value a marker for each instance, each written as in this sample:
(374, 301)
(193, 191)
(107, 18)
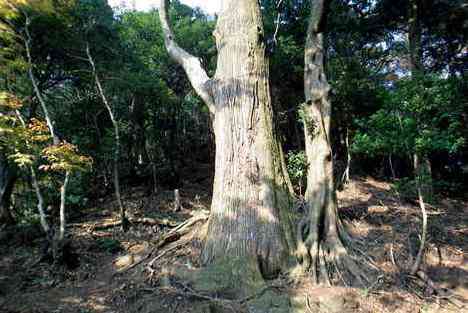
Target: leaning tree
(249, 220)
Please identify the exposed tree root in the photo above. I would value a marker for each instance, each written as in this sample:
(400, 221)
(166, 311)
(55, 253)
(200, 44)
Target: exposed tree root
(174, 235)
(144, 221)
(434, 291)
(332, 259)
(233, 305)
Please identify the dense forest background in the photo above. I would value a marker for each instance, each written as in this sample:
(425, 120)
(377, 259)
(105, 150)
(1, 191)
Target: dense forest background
(92, 106)
(381, 114)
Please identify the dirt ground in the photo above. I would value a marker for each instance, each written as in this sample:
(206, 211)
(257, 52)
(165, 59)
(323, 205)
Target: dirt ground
(111, 274)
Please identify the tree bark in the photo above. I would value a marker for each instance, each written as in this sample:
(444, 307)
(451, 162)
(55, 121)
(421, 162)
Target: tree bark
(322, 239)
(249, 217)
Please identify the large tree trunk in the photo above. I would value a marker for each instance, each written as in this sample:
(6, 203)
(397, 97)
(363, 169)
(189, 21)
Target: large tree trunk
(249, 188)
(322, 239)
(249, 218)
(7, 182)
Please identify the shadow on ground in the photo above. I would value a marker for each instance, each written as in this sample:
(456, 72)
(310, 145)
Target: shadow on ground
(388, 227)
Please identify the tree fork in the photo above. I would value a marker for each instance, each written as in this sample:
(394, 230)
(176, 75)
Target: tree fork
(56, 242)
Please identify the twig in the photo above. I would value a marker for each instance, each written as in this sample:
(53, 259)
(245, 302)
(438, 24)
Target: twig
(277, 22)
(308, 304)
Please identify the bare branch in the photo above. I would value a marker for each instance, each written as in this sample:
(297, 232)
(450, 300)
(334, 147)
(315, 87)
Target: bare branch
(191, 64)
(278, 21)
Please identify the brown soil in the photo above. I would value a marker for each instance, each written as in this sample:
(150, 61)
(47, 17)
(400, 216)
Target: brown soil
(112, 280)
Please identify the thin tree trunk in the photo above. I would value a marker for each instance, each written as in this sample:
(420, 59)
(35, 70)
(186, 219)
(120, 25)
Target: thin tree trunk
(63, 193)
(392, 170)
(414, 38)
(27, 44)
(249, 220)
(322, 239)
(423, 176)
(116, 158)
(7, 182)
(40, 204)
(177, 205)
(423, 171)
(40, 199)
(137, 146)
(56, 244)
(345, 179)
(422, 246)
(155, 178)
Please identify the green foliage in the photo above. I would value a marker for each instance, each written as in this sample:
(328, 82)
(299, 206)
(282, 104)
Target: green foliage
(420, 115)
(156, 107)
(296, 162)
(28, 215)
(109, 245)
(19, 142)
(65, 158)
(406, 188)
(450, 187)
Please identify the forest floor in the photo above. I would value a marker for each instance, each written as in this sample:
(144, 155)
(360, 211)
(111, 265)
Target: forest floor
(113, 275)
